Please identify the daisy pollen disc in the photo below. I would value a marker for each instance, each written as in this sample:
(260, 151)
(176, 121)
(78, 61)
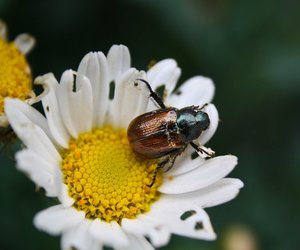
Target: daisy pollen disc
(15, 76)
(105, 178)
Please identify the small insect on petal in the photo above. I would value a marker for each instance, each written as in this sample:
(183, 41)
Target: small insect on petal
(165, 133)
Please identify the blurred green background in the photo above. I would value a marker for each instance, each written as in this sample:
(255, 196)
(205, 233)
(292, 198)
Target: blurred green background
(251, 49)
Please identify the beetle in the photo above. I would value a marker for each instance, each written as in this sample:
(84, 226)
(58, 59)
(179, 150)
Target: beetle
(166, 132)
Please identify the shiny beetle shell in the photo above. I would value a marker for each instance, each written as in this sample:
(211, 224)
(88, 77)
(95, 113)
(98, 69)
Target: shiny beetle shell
(156, 134)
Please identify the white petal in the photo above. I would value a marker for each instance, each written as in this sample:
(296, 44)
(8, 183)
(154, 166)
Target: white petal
(137, 243)
(213, 114)
(52, 109)
(94, 66)
(3, 30)
(119, 61)
(76, 107)
(220, 192)
(80, 238)
(39, 170)
(110, 234)
(57, 219)
(158, 234)
(32, 135)
(198, 90)
(63, 191)
(170, 212)
(165, 72)
(211, 171)
(130, 100)
(32, 114)
(63, 194)
(25, 43)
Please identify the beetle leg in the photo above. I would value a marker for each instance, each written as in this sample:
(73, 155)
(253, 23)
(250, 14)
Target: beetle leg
(170, 161)
(156, 98)
(203, 151)
(160, 166)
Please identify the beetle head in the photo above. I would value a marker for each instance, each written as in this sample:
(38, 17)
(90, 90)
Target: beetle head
(191, 121)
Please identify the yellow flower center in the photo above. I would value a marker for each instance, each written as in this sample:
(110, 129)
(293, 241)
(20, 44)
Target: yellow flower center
(15, 77)
(105, 178)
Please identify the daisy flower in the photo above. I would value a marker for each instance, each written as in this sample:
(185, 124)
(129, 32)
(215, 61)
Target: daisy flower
(80, 154)
(15, 75)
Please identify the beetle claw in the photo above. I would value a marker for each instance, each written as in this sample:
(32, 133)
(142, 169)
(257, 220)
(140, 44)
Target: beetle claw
(202, 151)
(206, 152)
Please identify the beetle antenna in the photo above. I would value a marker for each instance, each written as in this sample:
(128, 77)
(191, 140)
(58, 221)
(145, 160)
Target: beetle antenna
(156, 98)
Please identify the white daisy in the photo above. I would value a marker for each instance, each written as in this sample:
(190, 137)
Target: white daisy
(80, 154)
(15, 75)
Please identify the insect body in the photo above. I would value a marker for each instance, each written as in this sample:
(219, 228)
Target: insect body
(166, 132)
